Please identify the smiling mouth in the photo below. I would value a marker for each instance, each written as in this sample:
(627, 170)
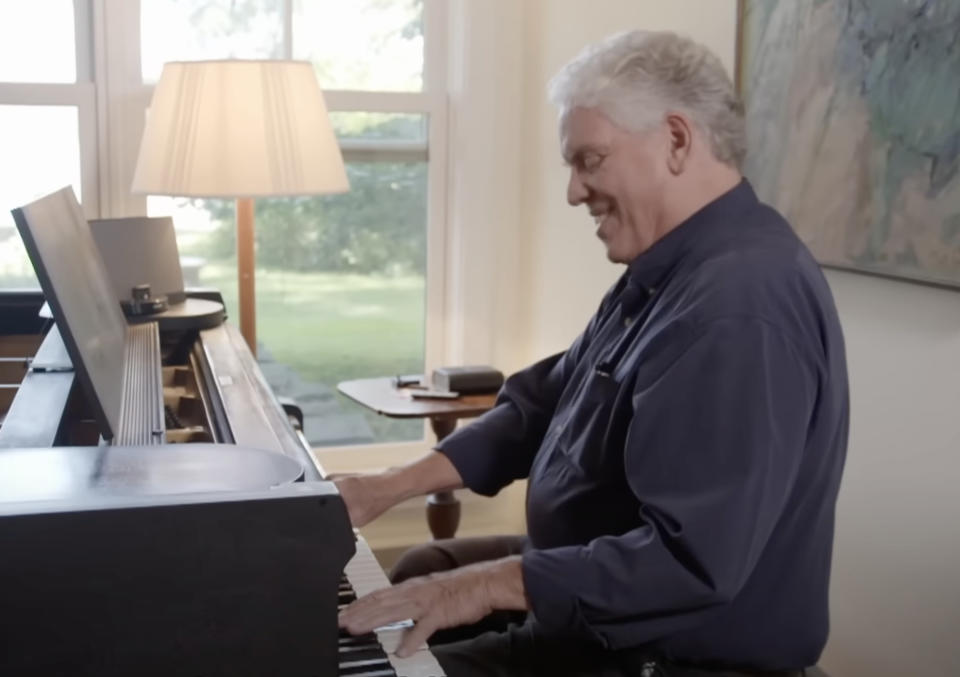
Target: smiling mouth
(599, 217)
(600, 209)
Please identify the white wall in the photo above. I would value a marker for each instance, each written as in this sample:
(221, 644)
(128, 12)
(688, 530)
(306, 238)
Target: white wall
(896, 587)
(485, 182)
(895, 594)
(517, 247)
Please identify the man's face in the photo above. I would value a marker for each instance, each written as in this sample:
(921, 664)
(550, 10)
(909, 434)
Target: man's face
(619, 176)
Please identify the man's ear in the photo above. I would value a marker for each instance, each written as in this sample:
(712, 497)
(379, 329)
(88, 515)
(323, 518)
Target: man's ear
(680, 131)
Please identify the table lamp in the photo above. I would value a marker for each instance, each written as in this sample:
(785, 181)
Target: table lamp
(239, 129)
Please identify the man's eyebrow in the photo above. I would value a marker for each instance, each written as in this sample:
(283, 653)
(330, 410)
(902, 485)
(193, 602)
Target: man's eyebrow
(578, 153)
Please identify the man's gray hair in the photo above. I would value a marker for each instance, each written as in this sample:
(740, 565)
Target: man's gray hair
(635, 78)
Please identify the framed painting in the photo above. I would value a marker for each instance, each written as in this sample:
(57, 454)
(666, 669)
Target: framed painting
(853, 128)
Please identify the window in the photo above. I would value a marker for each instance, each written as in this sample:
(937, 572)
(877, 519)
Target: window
(348, 286)
(370, 46)
(38, 42)
(44, 140)
(46, 117)
(344, 283)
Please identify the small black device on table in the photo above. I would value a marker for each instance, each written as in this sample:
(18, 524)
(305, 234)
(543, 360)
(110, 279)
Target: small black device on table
(469, 380)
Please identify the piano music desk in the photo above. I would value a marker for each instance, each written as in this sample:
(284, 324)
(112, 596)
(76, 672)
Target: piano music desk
(380, 395)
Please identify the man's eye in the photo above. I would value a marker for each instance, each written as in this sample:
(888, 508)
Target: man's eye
(592, 162)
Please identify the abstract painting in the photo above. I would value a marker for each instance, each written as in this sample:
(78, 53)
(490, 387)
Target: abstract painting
(853, 128)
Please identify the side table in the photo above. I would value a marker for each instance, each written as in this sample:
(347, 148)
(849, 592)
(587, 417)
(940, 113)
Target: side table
(380, 395)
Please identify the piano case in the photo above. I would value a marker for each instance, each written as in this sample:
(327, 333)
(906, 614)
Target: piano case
(240, 583)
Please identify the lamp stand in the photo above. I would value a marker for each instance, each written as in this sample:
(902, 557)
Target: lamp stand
(246, 287)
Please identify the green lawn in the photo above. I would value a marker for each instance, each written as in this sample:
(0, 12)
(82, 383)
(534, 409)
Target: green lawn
(335, 326)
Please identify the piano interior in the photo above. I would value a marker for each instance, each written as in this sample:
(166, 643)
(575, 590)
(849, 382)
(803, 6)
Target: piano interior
(186, 418)
(16, 351)
(189, 413)
(188, 410)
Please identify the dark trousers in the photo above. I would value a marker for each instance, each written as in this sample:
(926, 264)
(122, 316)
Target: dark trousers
(502, 645)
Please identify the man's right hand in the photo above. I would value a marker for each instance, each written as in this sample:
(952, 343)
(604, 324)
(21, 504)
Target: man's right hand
(369, 496)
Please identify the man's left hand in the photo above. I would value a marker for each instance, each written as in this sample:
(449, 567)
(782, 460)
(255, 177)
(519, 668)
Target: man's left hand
(438, 601)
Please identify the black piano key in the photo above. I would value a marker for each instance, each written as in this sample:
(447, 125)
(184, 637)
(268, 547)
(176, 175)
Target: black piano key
(355, 644)
(354, 640)
(349, 653)
(359, 655)
(366, 667)
(374, 662)
(374, 672)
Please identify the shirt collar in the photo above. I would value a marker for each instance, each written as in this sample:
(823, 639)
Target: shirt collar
(649, 269)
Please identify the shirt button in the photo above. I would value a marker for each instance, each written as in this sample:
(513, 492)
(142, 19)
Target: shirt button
(627, 321)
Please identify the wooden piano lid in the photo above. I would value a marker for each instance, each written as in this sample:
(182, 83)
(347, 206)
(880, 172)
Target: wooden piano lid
(66, 472)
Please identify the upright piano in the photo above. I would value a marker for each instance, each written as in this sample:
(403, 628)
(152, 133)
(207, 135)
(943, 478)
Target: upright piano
(191, 387)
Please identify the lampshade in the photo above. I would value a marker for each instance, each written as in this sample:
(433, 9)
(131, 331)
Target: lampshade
(238, 129)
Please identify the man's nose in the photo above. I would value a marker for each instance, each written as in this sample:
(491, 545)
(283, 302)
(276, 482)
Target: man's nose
(576, 192)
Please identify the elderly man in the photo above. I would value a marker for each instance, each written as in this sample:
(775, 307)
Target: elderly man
(684, 454)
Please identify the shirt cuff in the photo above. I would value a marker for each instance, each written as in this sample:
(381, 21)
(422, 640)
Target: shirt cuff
(547, 576)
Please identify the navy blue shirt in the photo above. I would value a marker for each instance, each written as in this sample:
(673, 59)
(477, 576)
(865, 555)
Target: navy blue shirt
(684, 454)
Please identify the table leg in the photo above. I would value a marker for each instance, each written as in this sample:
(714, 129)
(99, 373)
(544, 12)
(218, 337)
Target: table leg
(443, 507)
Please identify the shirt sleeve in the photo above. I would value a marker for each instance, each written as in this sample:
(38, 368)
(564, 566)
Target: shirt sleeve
(711, 453)
(499, 447)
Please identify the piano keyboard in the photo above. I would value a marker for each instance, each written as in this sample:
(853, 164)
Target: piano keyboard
(373, 655)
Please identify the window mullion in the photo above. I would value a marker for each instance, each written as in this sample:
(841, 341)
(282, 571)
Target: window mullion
(367, 150)
(435, 31)
(89, 156)
(381, 102)
(121, 109)
(435, 58)
(83, 39)
(41, 94)
(287, 29)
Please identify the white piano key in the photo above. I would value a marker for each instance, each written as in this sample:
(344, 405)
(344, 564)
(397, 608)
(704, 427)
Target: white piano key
(365, 575)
